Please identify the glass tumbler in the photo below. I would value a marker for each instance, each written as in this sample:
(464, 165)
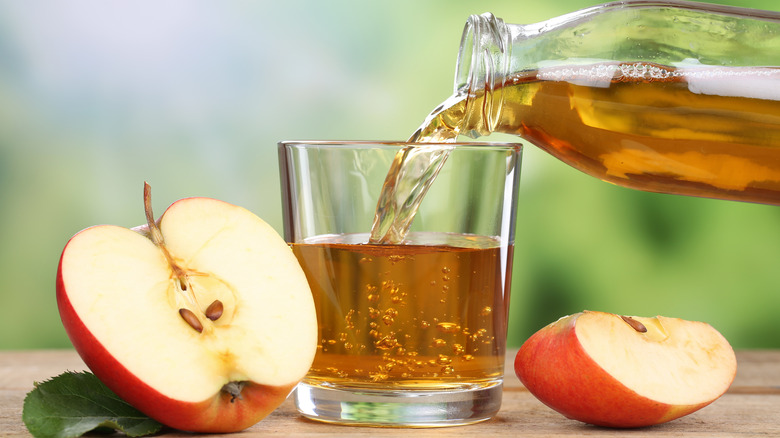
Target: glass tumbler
(412, 332)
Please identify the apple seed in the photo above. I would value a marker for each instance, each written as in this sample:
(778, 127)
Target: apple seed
(191, 319)
(636, 325)
(214, 311)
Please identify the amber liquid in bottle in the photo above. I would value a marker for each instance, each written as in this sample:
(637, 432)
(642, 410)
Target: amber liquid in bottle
(430, 314)
(699, 131)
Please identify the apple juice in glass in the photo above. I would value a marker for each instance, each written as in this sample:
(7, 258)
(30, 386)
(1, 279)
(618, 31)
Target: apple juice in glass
(410, 333)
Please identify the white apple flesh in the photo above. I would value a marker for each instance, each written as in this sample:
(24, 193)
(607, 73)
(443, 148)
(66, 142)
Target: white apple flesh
(618, 371)
(121, 295)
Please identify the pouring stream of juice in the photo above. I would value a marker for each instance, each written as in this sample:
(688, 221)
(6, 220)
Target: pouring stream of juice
(707, 131)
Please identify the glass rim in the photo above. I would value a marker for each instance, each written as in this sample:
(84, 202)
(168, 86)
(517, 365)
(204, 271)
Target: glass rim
(396, 144)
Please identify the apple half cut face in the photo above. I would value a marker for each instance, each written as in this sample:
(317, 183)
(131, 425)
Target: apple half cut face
(206, 328)
(626, 371)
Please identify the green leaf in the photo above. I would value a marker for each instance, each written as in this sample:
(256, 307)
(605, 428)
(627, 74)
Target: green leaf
(72, 404)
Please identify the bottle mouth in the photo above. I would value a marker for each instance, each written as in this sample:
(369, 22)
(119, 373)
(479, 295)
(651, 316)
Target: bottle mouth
(483, 64)
(463, 69)
(484, 53)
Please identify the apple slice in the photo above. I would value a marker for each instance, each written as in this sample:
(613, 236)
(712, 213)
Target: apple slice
(626, 371)
(205, 322)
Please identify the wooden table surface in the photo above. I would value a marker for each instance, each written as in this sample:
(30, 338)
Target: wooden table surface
(751, 407)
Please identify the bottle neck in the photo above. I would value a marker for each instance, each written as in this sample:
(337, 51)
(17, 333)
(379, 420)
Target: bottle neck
(656, 32)
(483, 66)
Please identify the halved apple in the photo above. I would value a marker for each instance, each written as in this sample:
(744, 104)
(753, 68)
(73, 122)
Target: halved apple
(204, 320)
(626, 371)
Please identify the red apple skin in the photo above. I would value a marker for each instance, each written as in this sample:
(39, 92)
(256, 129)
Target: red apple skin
(218, 414)
(553, 366)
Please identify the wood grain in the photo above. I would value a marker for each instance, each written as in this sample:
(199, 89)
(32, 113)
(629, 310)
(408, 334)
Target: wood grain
(751, 407)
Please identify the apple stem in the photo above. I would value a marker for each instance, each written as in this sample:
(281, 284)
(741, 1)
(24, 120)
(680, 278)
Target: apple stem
(181, 277)
(157, 237)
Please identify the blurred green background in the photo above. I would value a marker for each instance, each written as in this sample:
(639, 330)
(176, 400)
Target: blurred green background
(97, 97)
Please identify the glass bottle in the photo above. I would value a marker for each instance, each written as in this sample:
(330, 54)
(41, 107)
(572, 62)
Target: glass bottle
(663, 96)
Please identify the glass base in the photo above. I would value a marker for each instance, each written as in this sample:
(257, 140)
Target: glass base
(398, 408)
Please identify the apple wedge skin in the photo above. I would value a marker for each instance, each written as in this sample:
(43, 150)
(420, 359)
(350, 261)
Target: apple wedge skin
(218, 414)
(555, 368)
